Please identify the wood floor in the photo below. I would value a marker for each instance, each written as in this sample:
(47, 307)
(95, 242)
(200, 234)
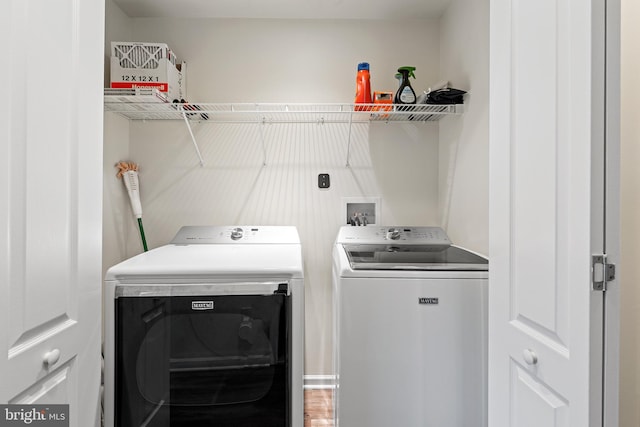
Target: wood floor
(318, 408)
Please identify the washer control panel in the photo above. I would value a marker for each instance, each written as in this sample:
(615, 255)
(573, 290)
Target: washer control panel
(400, 234)
(192, 235)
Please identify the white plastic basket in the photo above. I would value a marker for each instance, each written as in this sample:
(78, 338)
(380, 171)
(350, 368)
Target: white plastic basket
(147, 65)
(138, 55)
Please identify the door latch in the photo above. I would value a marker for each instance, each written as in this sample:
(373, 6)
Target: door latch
(601, 272)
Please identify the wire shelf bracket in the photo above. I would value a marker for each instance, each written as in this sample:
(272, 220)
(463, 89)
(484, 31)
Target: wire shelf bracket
(193, 138)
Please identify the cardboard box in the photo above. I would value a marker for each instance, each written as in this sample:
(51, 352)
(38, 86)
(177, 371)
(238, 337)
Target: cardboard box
(135, 65)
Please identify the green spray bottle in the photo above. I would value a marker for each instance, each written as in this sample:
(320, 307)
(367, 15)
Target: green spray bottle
(405, 93)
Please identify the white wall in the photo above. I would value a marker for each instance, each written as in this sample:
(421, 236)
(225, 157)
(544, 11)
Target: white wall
(282, 61)
(630, 218)
(116, 148)
(115, 206)
(419, 180)
(117, 27)
(260, 60)
(464, 140)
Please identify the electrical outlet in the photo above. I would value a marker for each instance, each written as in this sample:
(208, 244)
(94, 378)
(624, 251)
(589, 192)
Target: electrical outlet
(323, 180)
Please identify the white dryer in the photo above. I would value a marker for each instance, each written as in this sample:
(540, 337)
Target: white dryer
(207, 330)
(411, 329)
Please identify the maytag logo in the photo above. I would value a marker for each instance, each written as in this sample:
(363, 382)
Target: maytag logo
(428, 301)
(34, 415)
(202, 305)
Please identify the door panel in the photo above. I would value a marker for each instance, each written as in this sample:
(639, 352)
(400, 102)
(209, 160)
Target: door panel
(535, 405)
(43, 188)
(546, 212)
(538, 218)
(52, 389)
(51, 224)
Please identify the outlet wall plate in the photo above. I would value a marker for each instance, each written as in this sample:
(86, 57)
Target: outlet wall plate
(324, 181)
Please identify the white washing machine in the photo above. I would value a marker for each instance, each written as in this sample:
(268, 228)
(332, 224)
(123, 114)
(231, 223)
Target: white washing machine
(207, 330)
(411, 329)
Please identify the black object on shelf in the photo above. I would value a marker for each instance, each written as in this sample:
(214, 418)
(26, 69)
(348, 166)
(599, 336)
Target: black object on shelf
(446, 96)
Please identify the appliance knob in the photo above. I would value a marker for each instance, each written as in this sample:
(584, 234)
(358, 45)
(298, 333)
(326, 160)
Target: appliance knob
(236, 234)
(393, 234)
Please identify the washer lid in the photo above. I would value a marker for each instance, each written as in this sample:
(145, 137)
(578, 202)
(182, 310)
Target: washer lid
(413, 257)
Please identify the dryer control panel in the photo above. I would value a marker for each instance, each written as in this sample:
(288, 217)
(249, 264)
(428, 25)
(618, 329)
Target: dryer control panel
(233, 234)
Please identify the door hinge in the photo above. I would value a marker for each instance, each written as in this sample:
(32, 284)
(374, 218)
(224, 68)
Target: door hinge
(601, 272)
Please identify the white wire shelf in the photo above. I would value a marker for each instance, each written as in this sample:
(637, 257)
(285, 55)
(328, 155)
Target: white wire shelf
(149, 104)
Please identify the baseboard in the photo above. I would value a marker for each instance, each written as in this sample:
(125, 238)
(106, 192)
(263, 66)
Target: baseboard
(319, 382)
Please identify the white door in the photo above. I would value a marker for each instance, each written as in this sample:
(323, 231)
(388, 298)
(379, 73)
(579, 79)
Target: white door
(51, 188)
(547, 217)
